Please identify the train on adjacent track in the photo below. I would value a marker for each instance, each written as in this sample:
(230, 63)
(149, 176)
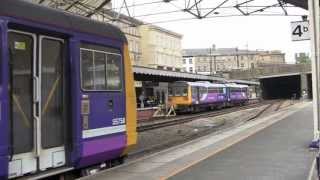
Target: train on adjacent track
(67, 98)
(193, 96)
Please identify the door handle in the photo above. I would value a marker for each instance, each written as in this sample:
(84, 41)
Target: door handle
(35, 89)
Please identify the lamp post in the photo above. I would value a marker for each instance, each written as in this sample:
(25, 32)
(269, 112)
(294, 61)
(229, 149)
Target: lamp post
(212, 62)
(315, 35)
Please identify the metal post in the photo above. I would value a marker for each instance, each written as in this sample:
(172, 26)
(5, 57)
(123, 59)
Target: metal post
(314, 30)
(237, 58)
(215, 63)
(211, 61)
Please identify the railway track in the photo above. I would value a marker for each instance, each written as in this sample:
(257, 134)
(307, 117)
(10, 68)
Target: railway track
(187, 118)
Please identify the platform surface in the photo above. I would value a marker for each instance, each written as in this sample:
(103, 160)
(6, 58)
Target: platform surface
(277, 152)
(274, 147)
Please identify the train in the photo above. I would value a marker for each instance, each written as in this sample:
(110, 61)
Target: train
(67, 98)
(194, 96)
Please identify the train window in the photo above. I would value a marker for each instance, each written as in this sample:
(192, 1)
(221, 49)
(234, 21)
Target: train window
(99, 71)
(203, 90)
(114, 72)
(101, 68)
(216, 90)
(220, 90)
(185, 91)
(87, 69)
(177, 91)
(212, 90)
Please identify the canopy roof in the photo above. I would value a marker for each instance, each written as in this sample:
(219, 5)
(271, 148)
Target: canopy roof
(299, 3)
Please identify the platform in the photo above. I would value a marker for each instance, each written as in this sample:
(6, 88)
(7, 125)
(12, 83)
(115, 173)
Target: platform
(273, 147)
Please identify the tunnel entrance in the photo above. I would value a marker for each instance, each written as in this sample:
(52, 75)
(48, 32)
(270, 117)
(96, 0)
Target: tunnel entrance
(281, 87)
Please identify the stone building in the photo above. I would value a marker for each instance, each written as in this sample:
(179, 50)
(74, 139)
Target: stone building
(211, 61)
(188, 64)
(130, 27)
(161, 48)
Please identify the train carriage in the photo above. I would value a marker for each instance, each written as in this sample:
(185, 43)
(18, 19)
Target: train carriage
(67, 95)
(195, 95)
(237, 94)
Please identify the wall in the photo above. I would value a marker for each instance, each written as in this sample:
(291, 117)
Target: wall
(188, 64)
(161, 48)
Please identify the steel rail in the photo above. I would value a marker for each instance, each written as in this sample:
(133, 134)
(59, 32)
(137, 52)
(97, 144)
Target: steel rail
(187, 118)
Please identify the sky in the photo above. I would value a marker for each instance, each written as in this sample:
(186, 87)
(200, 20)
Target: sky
(244, 32)
(267, 33)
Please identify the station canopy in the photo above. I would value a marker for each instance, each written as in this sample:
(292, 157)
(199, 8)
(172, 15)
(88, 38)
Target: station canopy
(298, 3)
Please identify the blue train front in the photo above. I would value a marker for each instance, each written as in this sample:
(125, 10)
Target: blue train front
(67, 93)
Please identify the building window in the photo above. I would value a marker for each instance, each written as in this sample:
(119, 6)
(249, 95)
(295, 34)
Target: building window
(184, 61)
(190, 61)
(190, 69)
(242, 65)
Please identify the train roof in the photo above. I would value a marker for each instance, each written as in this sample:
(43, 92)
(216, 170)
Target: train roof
(237, 85)
(206, 84)
(58, 18)
(201, 84)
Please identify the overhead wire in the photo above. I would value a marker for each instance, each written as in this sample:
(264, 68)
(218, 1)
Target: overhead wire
(177, 11)
(221, 16)
(87, 8)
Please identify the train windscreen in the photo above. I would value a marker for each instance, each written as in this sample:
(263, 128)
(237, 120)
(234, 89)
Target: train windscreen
(178, 90)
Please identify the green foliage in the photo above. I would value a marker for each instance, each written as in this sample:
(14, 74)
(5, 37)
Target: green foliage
(303, 59)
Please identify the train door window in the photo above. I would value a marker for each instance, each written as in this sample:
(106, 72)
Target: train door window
(194, 91)
(185, 91)
(21, 49)
(52, 121)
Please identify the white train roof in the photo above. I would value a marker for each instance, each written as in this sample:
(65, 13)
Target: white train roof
(201, 84)
(236, 85)
(209, 84)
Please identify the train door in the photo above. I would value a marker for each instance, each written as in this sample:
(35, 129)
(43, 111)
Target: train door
(195, 94)
(37, 123)
(51, 112)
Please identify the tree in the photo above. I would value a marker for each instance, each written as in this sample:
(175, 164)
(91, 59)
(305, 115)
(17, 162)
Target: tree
(303, 58)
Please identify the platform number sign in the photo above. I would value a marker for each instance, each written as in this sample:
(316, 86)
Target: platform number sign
(300, 31)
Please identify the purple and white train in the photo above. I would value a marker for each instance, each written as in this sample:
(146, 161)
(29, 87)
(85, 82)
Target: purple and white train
(67, 99)
(192, 96)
